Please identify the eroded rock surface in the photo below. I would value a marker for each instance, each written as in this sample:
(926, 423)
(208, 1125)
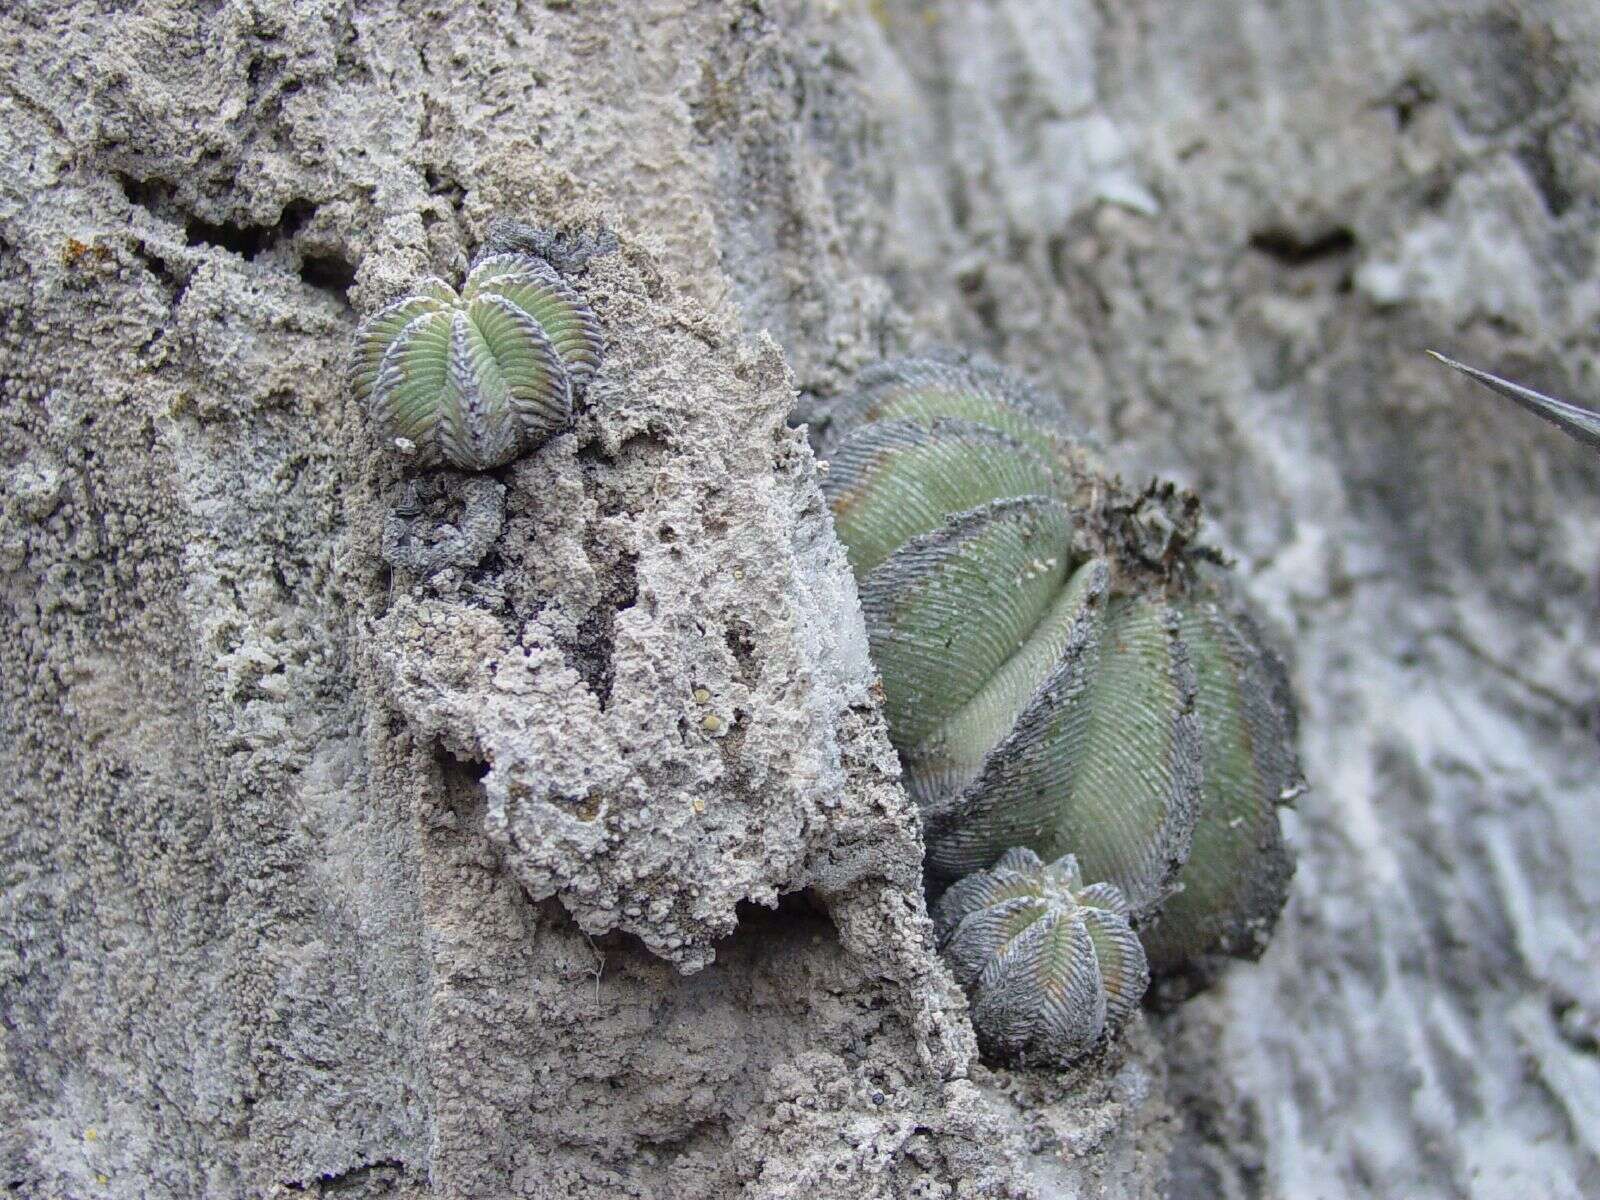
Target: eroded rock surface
(540, 837)
(325, 873)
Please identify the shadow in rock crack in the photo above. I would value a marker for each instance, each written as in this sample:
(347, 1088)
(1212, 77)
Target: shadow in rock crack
(320, 264)
(590, 652)
(660, 1074)
(372, 1181)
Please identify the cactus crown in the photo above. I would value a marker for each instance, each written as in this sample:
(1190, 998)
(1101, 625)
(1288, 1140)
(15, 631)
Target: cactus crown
(476, 377)
(1053, 964)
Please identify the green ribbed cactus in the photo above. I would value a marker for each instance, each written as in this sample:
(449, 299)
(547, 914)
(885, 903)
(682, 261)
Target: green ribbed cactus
(1056, 673)
(1237, 876)
(475, 378)
(1053, 964)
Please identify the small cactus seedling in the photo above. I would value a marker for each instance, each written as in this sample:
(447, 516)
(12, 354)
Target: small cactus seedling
(477, 377)
(1052, 965)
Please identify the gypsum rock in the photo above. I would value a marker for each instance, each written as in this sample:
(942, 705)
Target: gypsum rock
(1055, 673)
(474, 379)
(1051, 966)
(462, 544)
(566, 252)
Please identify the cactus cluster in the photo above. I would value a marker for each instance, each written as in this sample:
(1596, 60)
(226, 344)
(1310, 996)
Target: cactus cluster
(474, 378)
(1061, 671)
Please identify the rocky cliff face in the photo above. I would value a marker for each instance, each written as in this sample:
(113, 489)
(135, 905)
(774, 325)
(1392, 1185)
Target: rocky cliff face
(1227, 231)
(581, 867)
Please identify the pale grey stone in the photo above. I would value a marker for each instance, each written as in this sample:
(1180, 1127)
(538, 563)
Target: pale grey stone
(298, 890)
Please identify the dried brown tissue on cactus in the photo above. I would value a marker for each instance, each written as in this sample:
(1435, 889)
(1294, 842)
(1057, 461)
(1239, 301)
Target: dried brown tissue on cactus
(1065, 670)
(474, 378)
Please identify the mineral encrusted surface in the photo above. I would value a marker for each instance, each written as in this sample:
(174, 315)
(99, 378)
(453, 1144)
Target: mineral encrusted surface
(568, 858)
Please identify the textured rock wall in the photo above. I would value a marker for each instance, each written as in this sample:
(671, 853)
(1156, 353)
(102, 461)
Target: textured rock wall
(1226, 232)
(318, 876)
(573, 865)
